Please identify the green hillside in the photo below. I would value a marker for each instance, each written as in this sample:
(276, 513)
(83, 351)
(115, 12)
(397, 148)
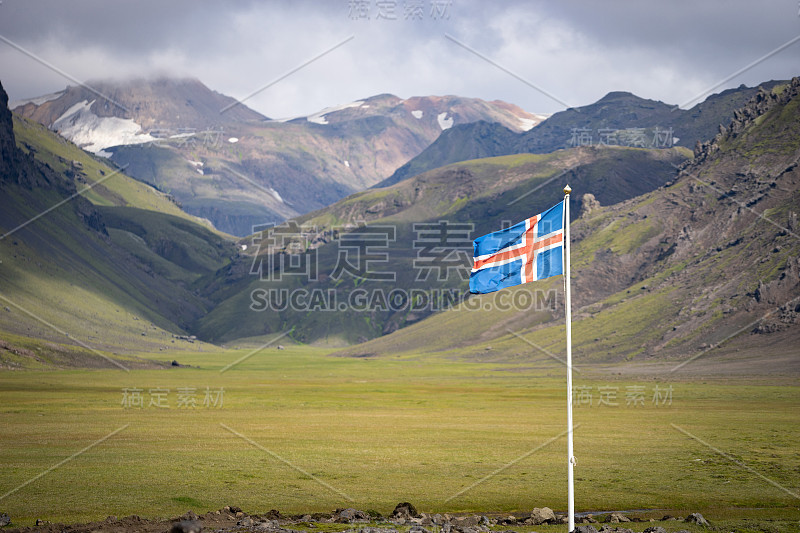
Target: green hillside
(706, 264)
(114, 272)
(388, 226)
(671, 256)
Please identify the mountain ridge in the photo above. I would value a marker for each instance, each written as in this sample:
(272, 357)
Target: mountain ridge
(239, 169)
(618, 118)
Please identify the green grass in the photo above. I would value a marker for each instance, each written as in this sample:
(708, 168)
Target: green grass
(618, 236)
(384, 431)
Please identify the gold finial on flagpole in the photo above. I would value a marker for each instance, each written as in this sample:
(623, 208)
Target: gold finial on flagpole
(567, 189)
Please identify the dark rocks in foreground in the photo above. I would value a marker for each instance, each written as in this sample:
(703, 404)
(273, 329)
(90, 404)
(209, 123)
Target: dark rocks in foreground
(405, 517)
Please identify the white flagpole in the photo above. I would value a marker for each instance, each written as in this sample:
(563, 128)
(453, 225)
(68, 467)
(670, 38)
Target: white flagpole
(568, 305)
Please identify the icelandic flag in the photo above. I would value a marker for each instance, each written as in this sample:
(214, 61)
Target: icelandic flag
(528, 251)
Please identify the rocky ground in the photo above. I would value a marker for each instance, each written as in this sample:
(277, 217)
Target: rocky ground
(405, 518)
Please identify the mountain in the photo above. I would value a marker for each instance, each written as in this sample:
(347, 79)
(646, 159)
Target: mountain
(461, 143)
(92, 262)
(237, 169)
(101, 114)
(674, 259)
(701, 272)
(619, 118)
(330, 276)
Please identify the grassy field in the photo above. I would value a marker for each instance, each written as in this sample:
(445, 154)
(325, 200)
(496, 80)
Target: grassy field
(299, 431)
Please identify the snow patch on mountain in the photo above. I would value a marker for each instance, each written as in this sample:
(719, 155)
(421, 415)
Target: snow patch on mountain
(417, 113)
(444, 122)
(93, 133)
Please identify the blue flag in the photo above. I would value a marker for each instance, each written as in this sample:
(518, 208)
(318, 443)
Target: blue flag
(528, 251)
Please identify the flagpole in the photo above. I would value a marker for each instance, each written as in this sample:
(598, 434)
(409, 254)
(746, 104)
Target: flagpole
(568, 305)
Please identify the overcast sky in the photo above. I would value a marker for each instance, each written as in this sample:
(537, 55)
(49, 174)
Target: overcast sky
(541, 56)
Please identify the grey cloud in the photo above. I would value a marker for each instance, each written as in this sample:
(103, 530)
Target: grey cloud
(578, 50)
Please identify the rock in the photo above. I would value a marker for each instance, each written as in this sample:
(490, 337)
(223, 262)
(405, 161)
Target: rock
(467, 521)
(655, 529)
(697, 518)
(616, 518)
(404, 510)
(4, 519)
(40, 522)
(438, 519)
(271, 525)
(7, 309)
(190, 515)
(350, 515)
(306, 518)
(245, 522)
(418, 529)
(584, 529)
(543, 515)
(187, 526)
